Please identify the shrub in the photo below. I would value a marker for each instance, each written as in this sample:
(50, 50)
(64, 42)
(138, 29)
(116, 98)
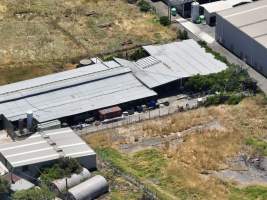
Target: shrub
(217, 55)
(164, 20)
(231, 99)
(214, 100)
(144, 6)
(233, 79)
(34, 194)
(63, 168)
(182, 35)
(138, 54)
(234, 99)
(4, 186)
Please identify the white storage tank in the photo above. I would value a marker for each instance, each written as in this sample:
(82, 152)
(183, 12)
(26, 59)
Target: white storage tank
(90, 189)
(194, 11)
(59, 185)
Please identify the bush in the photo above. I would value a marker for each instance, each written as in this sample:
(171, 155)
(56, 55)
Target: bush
(217, 55)
(233, 79)
(214, 100)
(182, 35)
(34, 194)
(231, 99)
(234, 99)
(138, 54)
(63, 168)
(144, 6)
(164, 20)
(4, 186)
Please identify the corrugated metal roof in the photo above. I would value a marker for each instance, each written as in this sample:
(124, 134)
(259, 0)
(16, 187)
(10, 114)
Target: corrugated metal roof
(218, 6)
(36, 148)
(58, 80)
(174, 61)
(153, 72)
(102, 89)
(250, 18)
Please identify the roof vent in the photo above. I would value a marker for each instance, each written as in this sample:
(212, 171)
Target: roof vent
(51, 142)
(45, 136)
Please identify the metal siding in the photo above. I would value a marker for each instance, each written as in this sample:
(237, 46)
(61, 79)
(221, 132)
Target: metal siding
(239, 43)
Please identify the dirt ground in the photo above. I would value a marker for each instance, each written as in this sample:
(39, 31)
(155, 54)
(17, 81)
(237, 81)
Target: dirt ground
(40, 36)
(199, 148)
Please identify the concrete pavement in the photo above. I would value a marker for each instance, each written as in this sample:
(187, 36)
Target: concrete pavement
(195, 30)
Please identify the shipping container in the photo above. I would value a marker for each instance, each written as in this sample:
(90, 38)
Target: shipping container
(109, 113)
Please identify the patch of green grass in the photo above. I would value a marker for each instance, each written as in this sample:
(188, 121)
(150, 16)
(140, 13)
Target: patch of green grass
(149, 166)
(143, 164)
(249, 193)
(149, 163)
(122, 195)
(258, 145)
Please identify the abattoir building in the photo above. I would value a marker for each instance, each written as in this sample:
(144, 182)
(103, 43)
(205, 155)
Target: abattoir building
(243, 30)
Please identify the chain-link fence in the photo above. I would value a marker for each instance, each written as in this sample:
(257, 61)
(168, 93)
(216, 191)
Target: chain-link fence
(137, 117)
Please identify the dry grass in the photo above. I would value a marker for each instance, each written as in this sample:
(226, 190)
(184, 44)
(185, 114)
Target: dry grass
(42, 35)
(201, 151)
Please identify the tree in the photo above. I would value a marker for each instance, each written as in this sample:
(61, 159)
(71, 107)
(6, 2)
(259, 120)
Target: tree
(144, 6)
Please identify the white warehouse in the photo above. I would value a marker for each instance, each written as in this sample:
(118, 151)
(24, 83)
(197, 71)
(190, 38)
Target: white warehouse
(26, 157)
(243, 30)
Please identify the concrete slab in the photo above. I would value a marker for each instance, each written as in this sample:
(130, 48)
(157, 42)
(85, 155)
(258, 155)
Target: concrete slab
(194, 29)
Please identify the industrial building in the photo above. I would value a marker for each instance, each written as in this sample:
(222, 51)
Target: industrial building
(173, 62)
(72, 92)
(243, 30)
(26, 157)
(211, 9)
(82, 92)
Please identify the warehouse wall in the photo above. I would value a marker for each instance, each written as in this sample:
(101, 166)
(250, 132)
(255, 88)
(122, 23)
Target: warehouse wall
(245, 47)
(88, 162)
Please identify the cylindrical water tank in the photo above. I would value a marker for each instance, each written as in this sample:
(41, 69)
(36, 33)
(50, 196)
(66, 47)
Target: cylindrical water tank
(90, 189)
(194, 11)
(85, 62)
(75, 179)
(29, 120)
